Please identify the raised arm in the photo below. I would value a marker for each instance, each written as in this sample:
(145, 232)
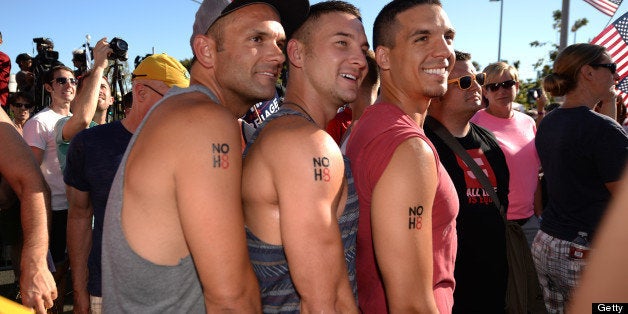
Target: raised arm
(308, 172)
(19, 168)
(401, 222)
(86, 101)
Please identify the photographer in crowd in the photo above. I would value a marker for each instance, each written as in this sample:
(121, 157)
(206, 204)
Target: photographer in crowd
(25, 78)
(45, 60)
(90, 106)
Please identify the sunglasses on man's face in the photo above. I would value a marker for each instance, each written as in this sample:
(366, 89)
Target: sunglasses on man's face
(610, 66)
(505, 84)
(464, 82)
(64, 80)
(22, 105)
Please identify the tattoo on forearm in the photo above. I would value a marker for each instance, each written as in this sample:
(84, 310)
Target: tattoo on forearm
(415, 217)
(220, 153)
(321, 169)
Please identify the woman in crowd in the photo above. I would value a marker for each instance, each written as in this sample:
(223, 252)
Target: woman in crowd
(515, 132)
(583, 154)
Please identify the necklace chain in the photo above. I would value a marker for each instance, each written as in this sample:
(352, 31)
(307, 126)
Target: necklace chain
(301, 108)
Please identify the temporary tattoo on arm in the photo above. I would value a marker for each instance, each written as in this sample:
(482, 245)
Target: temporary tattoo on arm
(321, 169)
(220, 154)
(415, 217)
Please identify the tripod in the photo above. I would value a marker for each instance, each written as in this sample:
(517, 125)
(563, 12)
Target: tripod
(117, 88)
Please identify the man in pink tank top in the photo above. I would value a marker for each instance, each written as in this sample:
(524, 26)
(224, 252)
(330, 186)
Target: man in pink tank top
(408, 204)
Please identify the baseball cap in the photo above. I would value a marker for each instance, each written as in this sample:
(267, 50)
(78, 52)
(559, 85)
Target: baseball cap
(291, 12)
(162, 67)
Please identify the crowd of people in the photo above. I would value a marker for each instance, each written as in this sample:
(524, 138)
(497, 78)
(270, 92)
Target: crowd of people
(379, 177)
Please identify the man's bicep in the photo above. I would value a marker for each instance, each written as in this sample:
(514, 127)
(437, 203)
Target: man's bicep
(308, 203)
(79, 202)
(401, 221)
(207, 175)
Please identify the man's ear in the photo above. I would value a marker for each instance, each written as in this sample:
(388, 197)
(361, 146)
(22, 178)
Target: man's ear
(295, 52)
(48, 87)
(382, 56)
(205, 50)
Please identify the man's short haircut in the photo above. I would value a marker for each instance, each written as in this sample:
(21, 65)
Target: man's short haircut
(317, 10)
(462, 56)
(385, 26)
(50, 75)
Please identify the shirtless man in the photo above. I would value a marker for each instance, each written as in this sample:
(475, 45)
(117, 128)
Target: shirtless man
(174, 237)
(300, 210)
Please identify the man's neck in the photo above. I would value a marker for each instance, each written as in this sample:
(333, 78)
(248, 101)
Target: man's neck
(416, 109)
(60, 108)
(312, 107)
(100, 116)
(457, 125)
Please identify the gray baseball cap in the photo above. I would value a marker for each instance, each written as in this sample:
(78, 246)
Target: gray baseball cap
(292, 13)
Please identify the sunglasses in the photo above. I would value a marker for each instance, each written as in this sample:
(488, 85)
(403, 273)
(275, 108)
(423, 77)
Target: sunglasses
(154, 90)
(610, 66)
(464, 82)
(22, 105)
(63, 80)
(505, 84)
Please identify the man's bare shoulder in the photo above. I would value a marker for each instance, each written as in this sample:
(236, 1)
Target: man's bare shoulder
(414, 151)
(191, 112)
(294, 136)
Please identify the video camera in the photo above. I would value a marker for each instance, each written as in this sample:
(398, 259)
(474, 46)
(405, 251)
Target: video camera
(45, 53)
(120, 49)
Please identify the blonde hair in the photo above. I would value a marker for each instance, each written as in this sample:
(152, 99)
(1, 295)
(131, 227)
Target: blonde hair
(495, 70)
(567, 66)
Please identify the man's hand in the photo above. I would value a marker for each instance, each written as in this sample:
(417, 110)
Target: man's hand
(37, 287)
(101, 52)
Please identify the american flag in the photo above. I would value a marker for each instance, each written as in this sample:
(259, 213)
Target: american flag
(613, 37)
(607, 7)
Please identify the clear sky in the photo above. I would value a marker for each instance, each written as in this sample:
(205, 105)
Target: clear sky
(166, 25)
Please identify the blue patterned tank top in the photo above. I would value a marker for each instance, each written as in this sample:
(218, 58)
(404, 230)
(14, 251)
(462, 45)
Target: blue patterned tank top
(269, 261)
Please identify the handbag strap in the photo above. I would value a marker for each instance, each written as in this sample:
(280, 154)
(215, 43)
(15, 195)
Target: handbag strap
(457, 148)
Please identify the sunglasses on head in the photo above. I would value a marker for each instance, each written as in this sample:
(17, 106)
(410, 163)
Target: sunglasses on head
(22, 105)
(610, 66)
(63, 80)
(464, 82)
(505, 84)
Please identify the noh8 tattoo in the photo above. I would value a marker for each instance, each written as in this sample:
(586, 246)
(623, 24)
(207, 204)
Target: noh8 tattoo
(415, 218)
(321, 169)
(220, 154)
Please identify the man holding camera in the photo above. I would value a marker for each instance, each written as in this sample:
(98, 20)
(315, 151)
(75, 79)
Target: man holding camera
(91, 103)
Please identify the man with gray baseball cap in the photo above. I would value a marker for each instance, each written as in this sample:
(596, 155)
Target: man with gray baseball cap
(174, 237)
